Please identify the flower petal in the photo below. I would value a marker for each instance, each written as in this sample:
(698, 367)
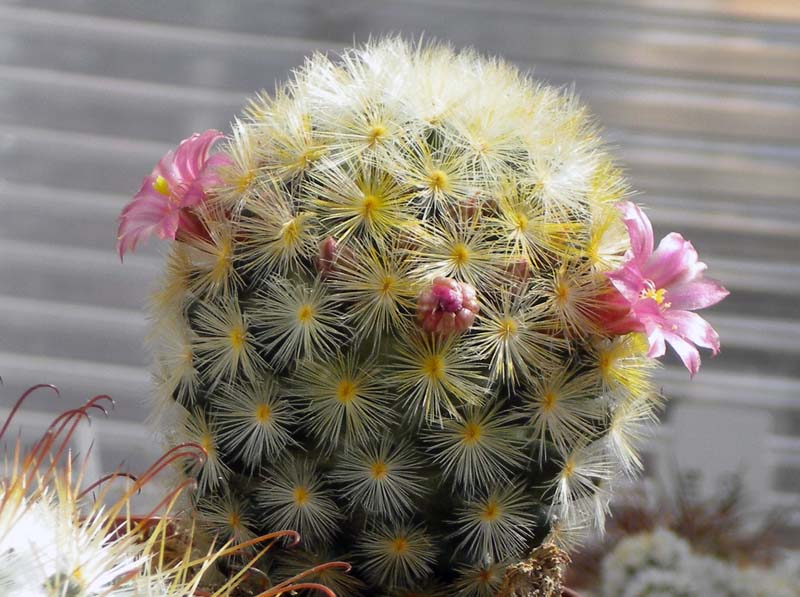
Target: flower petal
(165, 169)
(697, 294)
(686, 351)
(628, 281)
(692, 327)
(192, 154)
(160, 208)
(148, 213)
(673, 262)
(649, 315)
(208, 177)
(640, 230)
(655, 339)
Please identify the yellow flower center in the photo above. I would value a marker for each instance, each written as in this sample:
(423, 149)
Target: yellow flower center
(387, 285)
(460, 254)
(656, 294)
(562, 291)
(207, 442)
(491, 511)
(301, 495)
(161, 186)
(433, 366)
(379, 470)
(77, 575)
(485, 576)
(438, 180)
(290, 232)
(369, 206)
(376, 134)
(605, 362)
(472, 433)
(237, 338)
(520, 222)
(569, 468)
(263, 413)
(305, 314)
(345, 391)
(244, 180)
(398, 545)
(549, 401)
(222, 265)
(508, 327)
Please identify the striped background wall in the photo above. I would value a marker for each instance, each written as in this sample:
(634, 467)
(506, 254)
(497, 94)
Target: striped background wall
(701, 98)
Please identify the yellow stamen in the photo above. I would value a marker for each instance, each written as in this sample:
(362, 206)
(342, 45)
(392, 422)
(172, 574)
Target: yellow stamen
(656, 294)
(161, 186)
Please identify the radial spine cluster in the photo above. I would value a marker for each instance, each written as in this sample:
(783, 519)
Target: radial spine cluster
(386, 340)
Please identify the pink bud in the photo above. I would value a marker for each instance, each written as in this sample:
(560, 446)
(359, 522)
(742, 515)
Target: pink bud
(518, 270)
(447, 307)
(328, 250)
(471, 205)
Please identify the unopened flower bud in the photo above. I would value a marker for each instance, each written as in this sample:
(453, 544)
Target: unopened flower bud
(471, 205)
(447, 307)
(328, 251)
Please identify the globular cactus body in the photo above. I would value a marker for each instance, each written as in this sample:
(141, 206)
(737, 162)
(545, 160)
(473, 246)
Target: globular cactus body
(387, 335)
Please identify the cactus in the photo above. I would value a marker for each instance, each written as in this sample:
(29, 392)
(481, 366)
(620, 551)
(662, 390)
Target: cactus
(386, 318)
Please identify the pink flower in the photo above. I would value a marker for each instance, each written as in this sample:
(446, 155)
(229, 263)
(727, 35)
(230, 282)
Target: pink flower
(447, 307)
(166, 203)
(655, 292)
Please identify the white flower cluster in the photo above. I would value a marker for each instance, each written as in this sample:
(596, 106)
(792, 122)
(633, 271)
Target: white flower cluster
(663, 564)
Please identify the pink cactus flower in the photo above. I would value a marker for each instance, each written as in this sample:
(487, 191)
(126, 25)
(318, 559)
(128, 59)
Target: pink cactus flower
(447, 307)
(655, 293)
(166, 203)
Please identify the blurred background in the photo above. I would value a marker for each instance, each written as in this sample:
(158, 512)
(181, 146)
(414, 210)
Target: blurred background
(699, 98)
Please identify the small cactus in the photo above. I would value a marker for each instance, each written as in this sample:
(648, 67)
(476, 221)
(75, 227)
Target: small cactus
(389, 334)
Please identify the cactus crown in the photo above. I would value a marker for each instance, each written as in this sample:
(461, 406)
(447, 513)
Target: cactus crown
(386, 337)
